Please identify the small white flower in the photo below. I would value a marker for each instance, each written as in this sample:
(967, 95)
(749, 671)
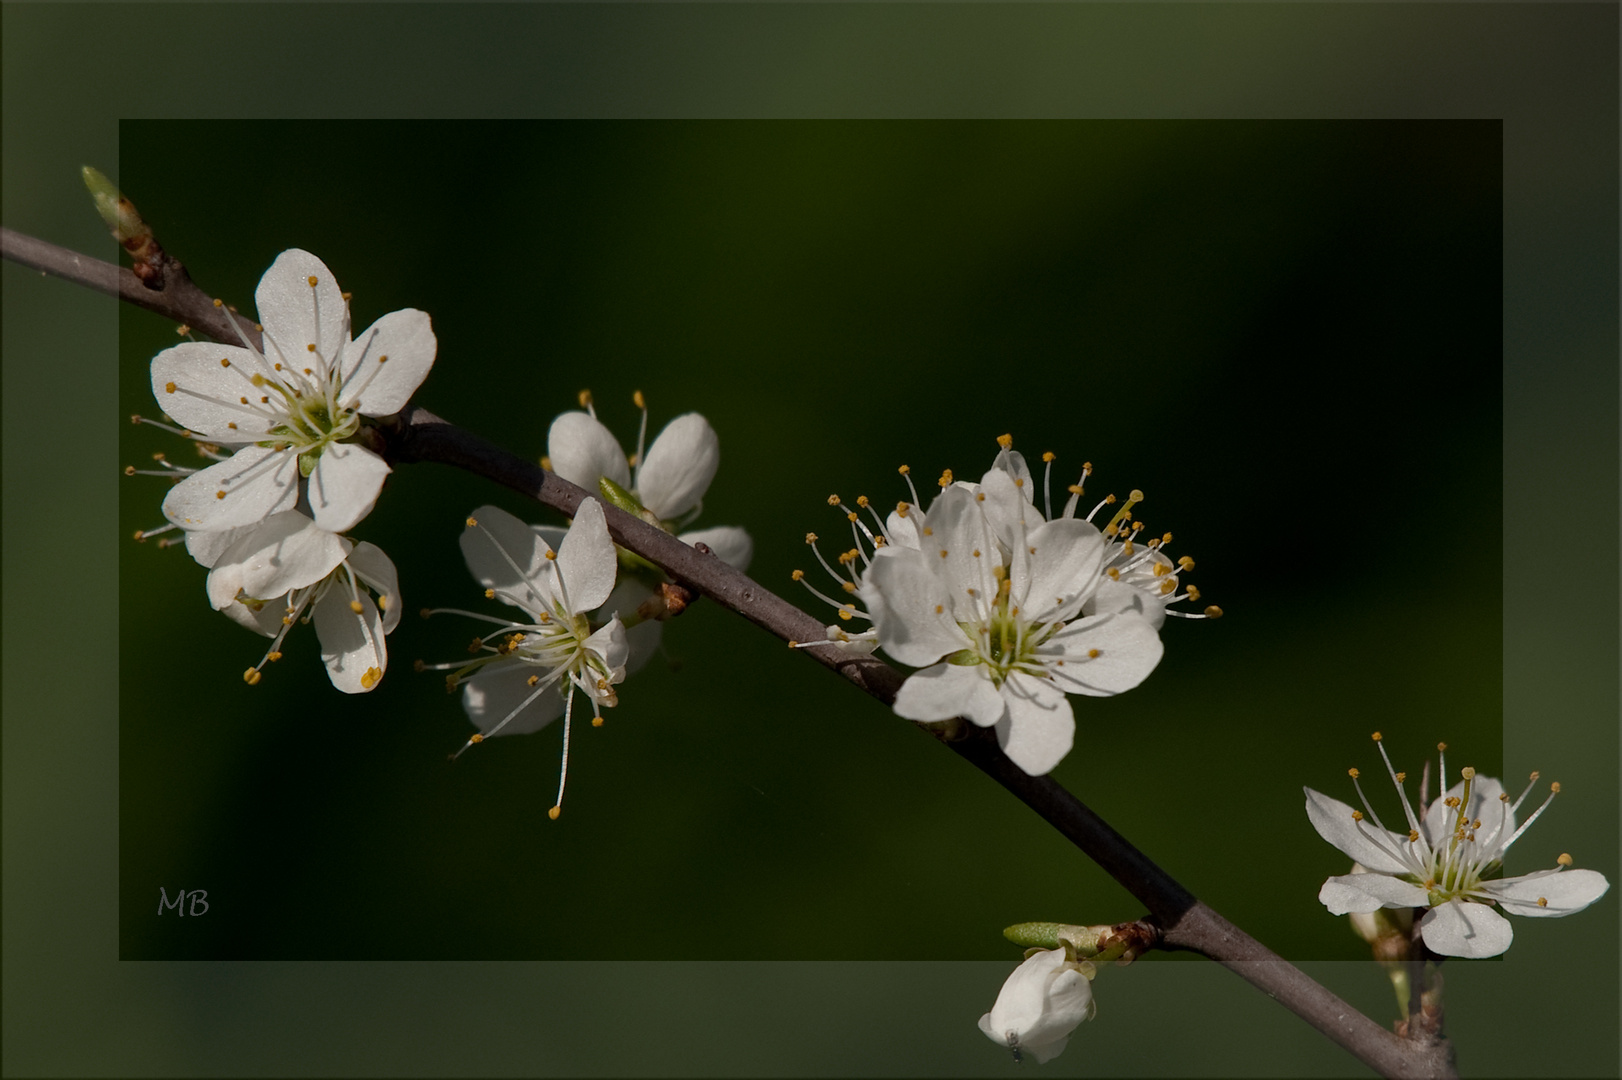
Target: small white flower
(998, 630)
(285, 569)
(669, 482)
(1447, 862)
(292, 407)
(1042, 1003)
(530, 670)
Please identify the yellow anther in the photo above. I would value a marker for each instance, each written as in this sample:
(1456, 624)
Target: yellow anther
(1534, 776)
(369, 680)
(1126, 548)
(798, 575)
(219, 494)
(225, 361)
(356, 606)
(129, 470)
(1114, 573)
(861, 500)
(472, 521)
(904, 470)
(251, 676)
(1186, 563)
(1467, 773)
(849, 586)
(309, 348)
(1503, 796)
(1109, 500)
(928, 531)
(551, 556)
(1167, 587)
(638, 400)
(1135, 496)
(383, 359)
(585, 398)
(1005, 441)
(183, 330)
(946, 478)
(554, 812)
(1193, 592)
(1353, 773)
(287, 620)
(232, 424)
(1401, 777)
(1093, 654)
(1019, 481)
(940, 609)
(943, 553)
(476, 739)
(1161, 569)
(475, 645)
(489, 594)
(901, 509)
(169, 388)
(1442, 746)
(1543, 901)
(843, 614)
(596, 721)
(348, 296)
(976, 553)
(852, 516)
(1413, 836)
(1213, 612)
(1564, 859)
(218, 302)
(1074, 489)
(1357, 815)
(312, 281)
(833, 500)
(979, 496)
(1048, 455)
(879, 541)
(1555, 787)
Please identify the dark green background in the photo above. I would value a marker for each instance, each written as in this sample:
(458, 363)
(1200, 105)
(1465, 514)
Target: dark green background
(1288, 334)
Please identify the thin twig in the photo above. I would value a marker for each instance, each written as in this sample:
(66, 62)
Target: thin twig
(417, 435)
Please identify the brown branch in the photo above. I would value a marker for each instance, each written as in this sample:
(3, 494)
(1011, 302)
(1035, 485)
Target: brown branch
(417, 435)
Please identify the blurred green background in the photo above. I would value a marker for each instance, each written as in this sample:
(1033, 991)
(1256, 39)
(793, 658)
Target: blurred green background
(1290, 335)
(1253, 322)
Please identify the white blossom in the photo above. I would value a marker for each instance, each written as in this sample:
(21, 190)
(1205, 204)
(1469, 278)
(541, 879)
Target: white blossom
(528, 671)
(1447, 862)
(293, 407)
(1040, 1005)
(288, 569)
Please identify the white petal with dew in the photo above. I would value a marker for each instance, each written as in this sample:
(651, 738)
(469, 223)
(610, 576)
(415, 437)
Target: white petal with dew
(257, 482)
(1564, 892)
(1333, 820)
(680, 465)
(345, 485)
(1457, 928)
(1369, 892)
(406, 337)
(351, 644)
(582, 450)
(947, 690)
(295, 315)
(1039, 728)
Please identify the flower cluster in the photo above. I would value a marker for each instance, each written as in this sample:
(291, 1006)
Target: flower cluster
(1005, 609)
(564, 580)
(283, 424)
(1448, 862)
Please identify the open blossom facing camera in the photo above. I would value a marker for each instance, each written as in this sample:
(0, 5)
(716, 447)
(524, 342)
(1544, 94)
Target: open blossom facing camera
(293, 407)
(287, 569)
(528, 672)
(1448, 862)
(1042, 1003)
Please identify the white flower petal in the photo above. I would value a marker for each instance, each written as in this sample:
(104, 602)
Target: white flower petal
(1333, 820)
(207, 396)
(344, 486)
(1564, 892)
(1040, 1005)
(406, 339)
(586, 559)
(508, 556)
(1039, 728)
(377, 570)
(731, 544)
(948, 690)
(284, 552)
(1484, 804)
(582, 450)
(295, 314)
(352, 645)
(1008, 510)
(1457, 928)
(494, 692)
(1128, 650)
(1117, 597)
(207, 547)
(609, 642)
(641, 640)
(1369, 892)
(961, 551)
(903, 531)
(680, 465)
(1065, 568)
(266, 619)
(257, 482)
(914, 620)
